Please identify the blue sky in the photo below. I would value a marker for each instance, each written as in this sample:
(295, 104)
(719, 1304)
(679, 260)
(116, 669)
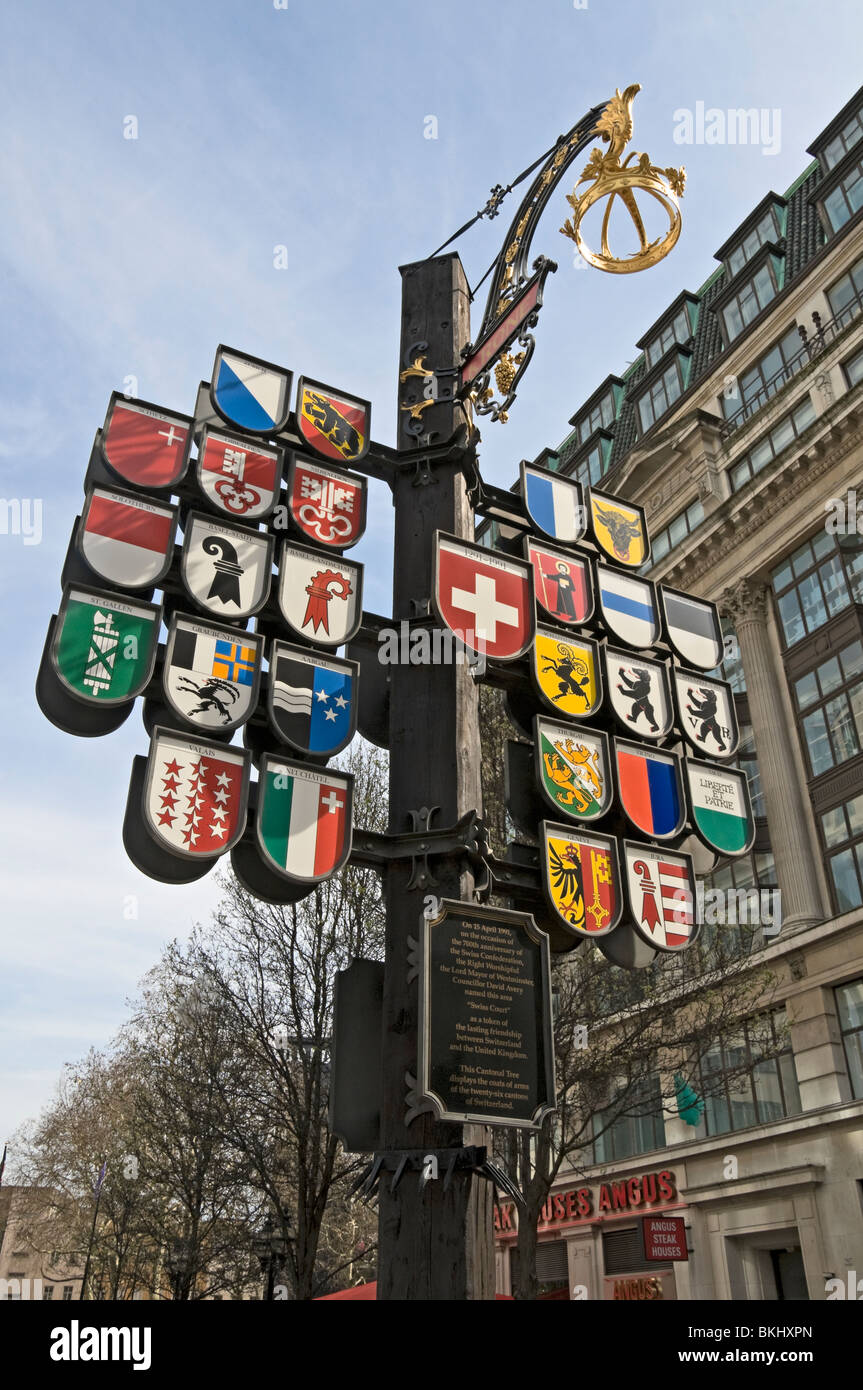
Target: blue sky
(300, 127)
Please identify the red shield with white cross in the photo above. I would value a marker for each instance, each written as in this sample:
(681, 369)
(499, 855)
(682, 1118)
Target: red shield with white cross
(196, 795)
(325, 504)
(237, 476)
(484, 597)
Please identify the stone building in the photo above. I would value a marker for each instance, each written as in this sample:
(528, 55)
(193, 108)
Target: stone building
(739, 428)
(26, 1272)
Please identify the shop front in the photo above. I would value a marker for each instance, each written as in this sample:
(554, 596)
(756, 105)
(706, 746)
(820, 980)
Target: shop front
(622, 1238)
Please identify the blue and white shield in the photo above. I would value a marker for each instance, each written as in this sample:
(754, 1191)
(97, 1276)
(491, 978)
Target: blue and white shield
(249, 393)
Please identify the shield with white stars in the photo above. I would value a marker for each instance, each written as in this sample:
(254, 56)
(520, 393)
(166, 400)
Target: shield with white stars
(196, 795)
(312, 700)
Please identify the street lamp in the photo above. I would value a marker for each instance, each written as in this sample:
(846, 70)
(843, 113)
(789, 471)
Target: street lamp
(270, 1247)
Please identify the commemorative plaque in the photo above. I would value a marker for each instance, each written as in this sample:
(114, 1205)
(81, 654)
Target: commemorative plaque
(486, 1052)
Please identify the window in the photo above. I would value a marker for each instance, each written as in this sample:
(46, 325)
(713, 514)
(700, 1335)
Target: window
(846, 198)
(600, 418)
(747, 303)
(770, 373)
(677, 530)
(789, 428)
(764, 1088)
(67, 1293)
(590, 469)
(846, 296)
(849, 1005)
(47, 1292)
(830, 700)
(847, 138)
(817, 581)
(853, 368)
(660, 396)
(842, 833)
(678, 331)
(637, 1131)
(763, 231)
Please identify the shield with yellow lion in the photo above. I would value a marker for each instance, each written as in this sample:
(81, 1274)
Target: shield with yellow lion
(573, 768)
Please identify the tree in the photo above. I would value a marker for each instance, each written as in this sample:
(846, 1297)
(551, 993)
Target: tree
(273, 968)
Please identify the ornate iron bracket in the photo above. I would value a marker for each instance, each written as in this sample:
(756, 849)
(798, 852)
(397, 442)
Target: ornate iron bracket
(435, 1165)
(468, 838)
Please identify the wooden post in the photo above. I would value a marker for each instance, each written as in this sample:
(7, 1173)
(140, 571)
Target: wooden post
(433, 1245)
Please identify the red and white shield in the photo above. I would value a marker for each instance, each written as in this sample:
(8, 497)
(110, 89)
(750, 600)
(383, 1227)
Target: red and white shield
(484, 597)
(327, 505)
(127, 540)
(196, 794)
(144, 444)
(238, 477)
(661, 890)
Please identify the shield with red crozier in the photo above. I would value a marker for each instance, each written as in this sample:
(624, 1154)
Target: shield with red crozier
(484, 597)
(320, 595)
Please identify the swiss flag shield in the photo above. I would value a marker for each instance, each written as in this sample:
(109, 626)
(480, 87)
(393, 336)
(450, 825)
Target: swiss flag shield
(484, 597)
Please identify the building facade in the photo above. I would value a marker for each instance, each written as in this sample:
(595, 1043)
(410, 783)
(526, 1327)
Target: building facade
(25, 1272)
(739, 429)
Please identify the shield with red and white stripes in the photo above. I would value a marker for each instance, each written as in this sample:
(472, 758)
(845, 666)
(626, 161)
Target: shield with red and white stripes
(126, 539)
(484, 597)
(661, 891)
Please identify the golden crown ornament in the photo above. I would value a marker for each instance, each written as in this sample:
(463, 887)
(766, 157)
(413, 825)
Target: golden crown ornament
(609, 178)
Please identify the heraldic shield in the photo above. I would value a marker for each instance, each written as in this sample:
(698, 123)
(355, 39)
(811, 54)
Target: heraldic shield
(720, 807)
(104, 647)
(648, 782)
(628, 607)
(619, 529)
(126, 540)
(566, 673)
(325, 504)
(484, 597)
(195, 795)
(581, 879)
(144, 445)
(554, 504)
(226, 569)
(211, 674)
(573, 768)
(638, 691)
(334, 425)
(693, 628)
(249, 393)
(312, 699)
(660, 887)
(561, 582)
(321, 596)
(238, 477)
(304, 819)
(706, 713)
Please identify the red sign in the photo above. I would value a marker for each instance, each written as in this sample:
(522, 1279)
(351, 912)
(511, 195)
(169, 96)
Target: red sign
(664, 1238)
